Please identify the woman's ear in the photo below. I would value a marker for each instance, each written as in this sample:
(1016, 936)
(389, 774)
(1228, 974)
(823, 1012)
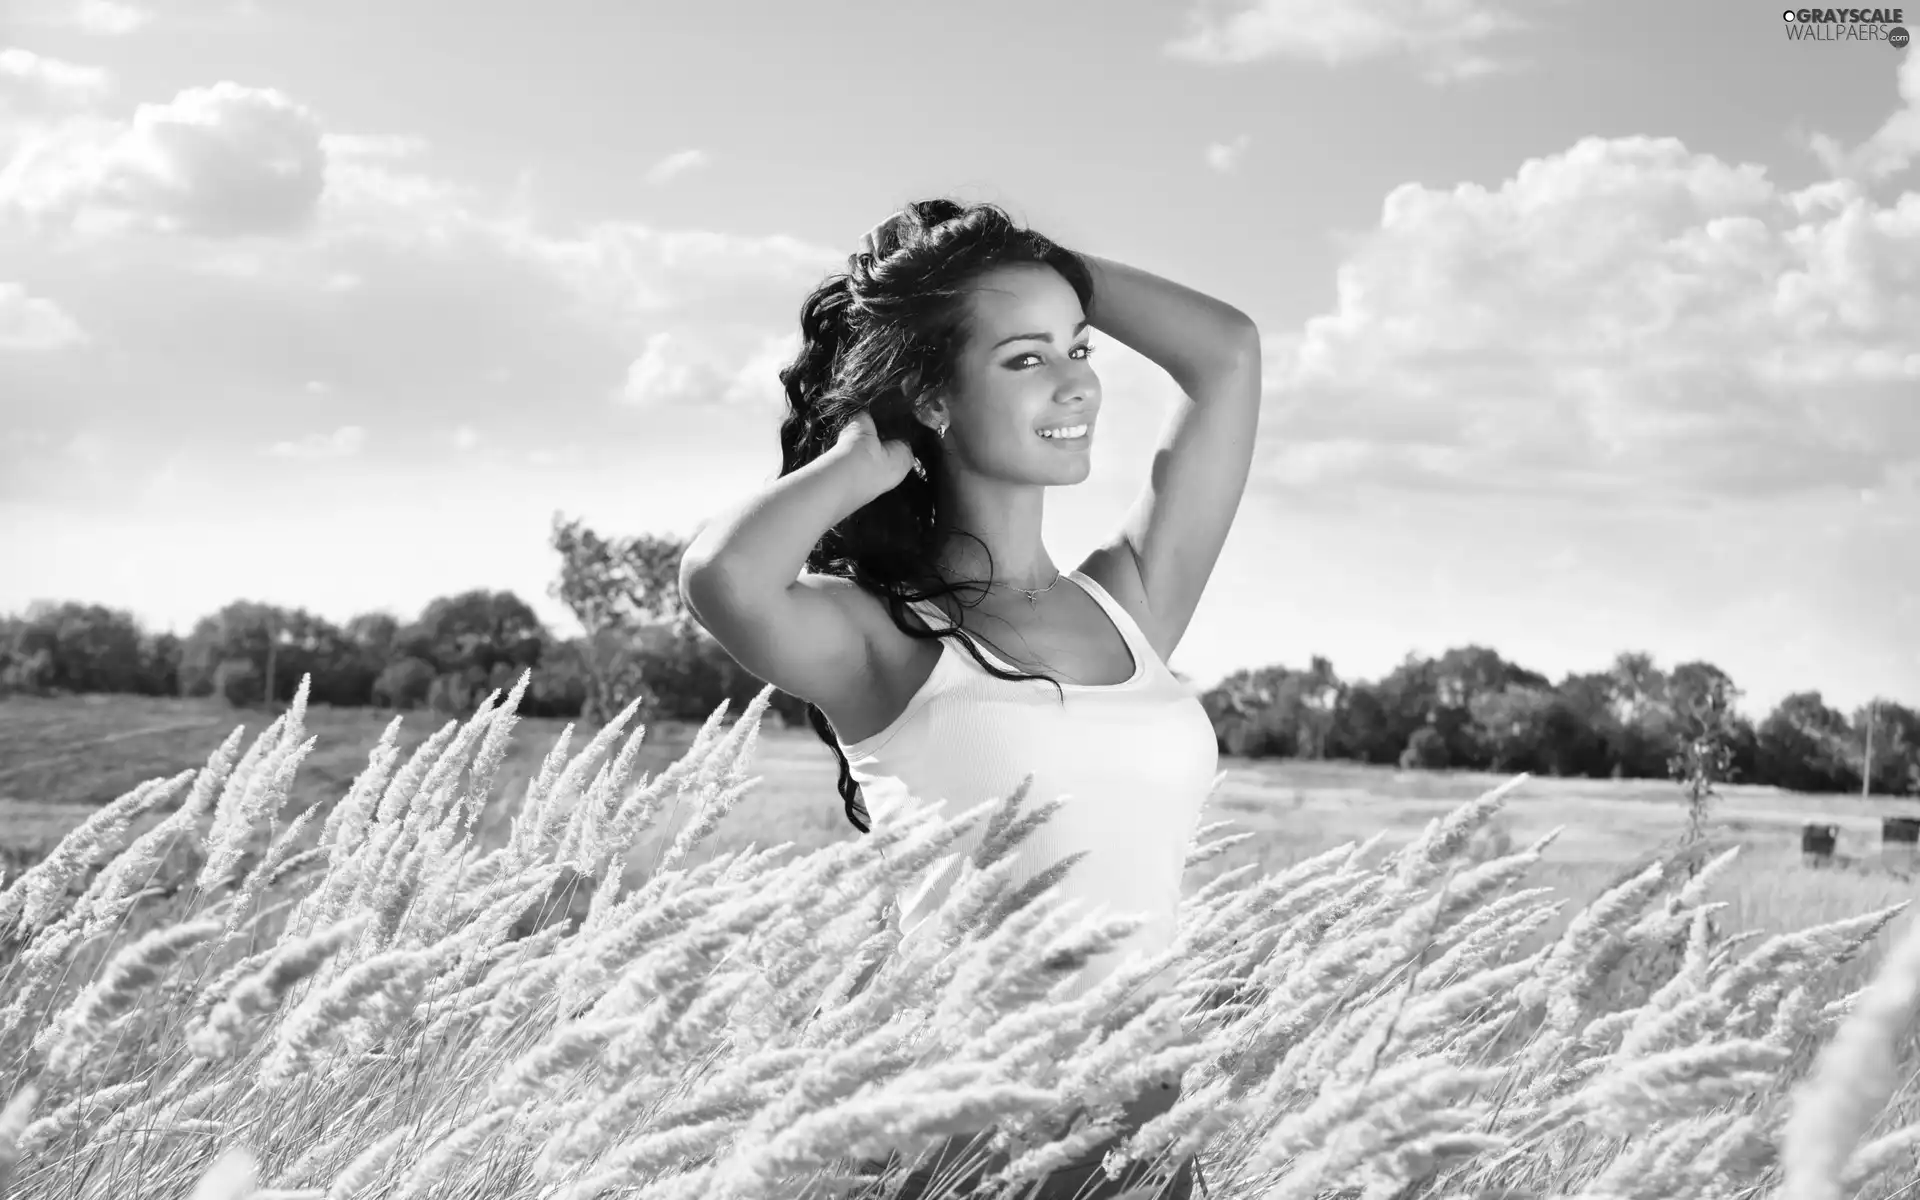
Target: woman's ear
(931, 411)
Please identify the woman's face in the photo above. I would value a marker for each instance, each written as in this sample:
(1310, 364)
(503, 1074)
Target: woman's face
(1024, 399)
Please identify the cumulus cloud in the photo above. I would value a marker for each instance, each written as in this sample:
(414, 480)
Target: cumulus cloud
(1225, 156)
(1891, 148)
(219, 161)
(100, 18)
(1624, 316)
(344, 442)
(678, 163)
(40, 80)
(690, 368)
(1445, 40)
(32, 323)
(108, 18)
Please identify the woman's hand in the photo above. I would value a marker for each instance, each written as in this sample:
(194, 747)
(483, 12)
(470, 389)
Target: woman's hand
(888, 458)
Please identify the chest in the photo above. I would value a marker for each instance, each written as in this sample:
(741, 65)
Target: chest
(1067, 636)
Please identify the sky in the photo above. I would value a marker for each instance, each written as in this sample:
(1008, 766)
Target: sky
(1586, 327)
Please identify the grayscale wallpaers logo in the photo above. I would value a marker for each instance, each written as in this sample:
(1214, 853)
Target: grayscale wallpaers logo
(1847, 25)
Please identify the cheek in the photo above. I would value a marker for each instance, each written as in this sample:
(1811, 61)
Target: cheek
(1000, 421)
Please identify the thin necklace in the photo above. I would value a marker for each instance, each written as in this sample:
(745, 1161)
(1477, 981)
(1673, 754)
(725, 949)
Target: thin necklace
(1033, 594)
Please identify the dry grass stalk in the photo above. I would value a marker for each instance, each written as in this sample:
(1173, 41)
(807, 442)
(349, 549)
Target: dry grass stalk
(746, 1023)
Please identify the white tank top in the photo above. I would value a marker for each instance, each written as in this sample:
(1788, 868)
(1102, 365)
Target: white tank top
(1134, 761)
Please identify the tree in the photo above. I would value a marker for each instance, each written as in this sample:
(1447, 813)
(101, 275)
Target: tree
(1803, 746)
(1892, 731)
(1426, 750)
(474, 629)
(1523, 729)
(1646, 738)
(623, 591)
(404, 684)
(1364, 728)
(238, 682)
(1461, 677)
(82, 647)
(373, 633)
(159, 665)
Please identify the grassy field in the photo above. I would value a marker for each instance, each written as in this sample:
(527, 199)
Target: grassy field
(60, 759)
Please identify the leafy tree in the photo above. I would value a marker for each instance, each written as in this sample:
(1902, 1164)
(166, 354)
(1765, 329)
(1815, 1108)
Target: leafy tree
(1461, 677)
(81, 647)
(159, 672)
(1894, 765)
(478, 629)
(404, 684)
(1425, 750)
(238, 682)
(1803, 745)
(1646, 737)
(1591, 730)
(623, 591)
(1515, 731)
(1365, 728)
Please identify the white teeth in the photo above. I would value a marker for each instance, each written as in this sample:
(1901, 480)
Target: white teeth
(1070, 431)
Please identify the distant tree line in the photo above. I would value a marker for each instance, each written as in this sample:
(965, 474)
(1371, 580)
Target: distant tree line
(1468, 708)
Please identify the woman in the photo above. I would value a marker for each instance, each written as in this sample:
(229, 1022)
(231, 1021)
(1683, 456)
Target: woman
(895, 579)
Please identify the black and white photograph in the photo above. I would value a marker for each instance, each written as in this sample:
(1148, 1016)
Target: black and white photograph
(1231, 599)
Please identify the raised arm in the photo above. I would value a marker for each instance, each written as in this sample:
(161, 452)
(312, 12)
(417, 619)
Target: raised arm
(808, 635)
(1174, 531)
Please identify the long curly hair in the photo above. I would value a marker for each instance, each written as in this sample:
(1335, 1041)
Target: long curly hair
(875, 338)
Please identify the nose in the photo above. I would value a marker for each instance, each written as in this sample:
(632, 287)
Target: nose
(1082, 389)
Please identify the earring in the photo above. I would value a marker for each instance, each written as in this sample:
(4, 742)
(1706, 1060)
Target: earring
(941, 431)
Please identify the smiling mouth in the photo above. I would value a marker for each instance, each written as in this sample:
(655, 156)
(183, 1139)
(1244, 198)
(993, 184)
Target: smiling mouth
(1067, 433)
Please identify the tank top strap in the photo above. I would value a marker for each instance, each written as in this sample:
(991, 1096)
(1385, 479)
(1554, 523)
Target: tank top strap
(1130, 631)
(937, 619)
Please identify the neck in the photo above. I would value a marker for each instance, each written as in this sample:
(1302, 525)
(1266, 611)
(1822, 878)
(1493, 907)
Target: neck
(1006, 520)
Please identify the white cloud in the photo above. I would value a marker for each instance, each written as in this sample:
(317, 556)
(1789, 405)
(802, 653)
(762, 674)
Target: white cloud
(344, 442)
(1889, 149)
(1225, 156)
(389, 146)
(219, 160)
(465, 437)
(100, 18)
(682, 368)
(1624, 317)
(50, 80)
(677, 163)
(108, 18)
(1444, 39)
(32, 323)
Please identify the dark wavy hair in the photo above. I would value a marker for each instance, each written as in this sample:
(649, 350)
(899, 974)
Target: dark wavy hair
(875, 338)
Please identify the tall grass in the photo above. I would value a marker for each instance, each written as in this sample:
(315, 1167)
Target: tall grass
(245, 1002)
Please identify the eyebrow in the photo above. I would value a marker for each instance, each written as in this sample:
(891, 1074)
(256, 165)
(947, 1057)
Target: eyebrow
(1036, 337)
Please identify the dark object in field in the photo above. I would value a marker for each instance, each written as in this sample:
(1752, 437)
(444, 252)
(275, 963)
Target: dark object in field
(1817, 840)
(1900, 829)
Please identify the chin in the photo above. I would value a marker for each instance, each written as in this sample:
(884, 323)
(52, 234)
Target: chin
(1069, 475)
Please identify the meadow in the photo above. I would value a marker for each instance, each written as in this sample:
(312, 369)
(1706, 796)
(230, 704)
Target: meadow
(380, 967)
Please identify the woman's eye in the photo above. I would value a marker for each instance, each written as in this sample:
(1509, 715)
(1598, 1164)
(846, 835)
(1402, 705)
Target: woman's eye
(1021, 361)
